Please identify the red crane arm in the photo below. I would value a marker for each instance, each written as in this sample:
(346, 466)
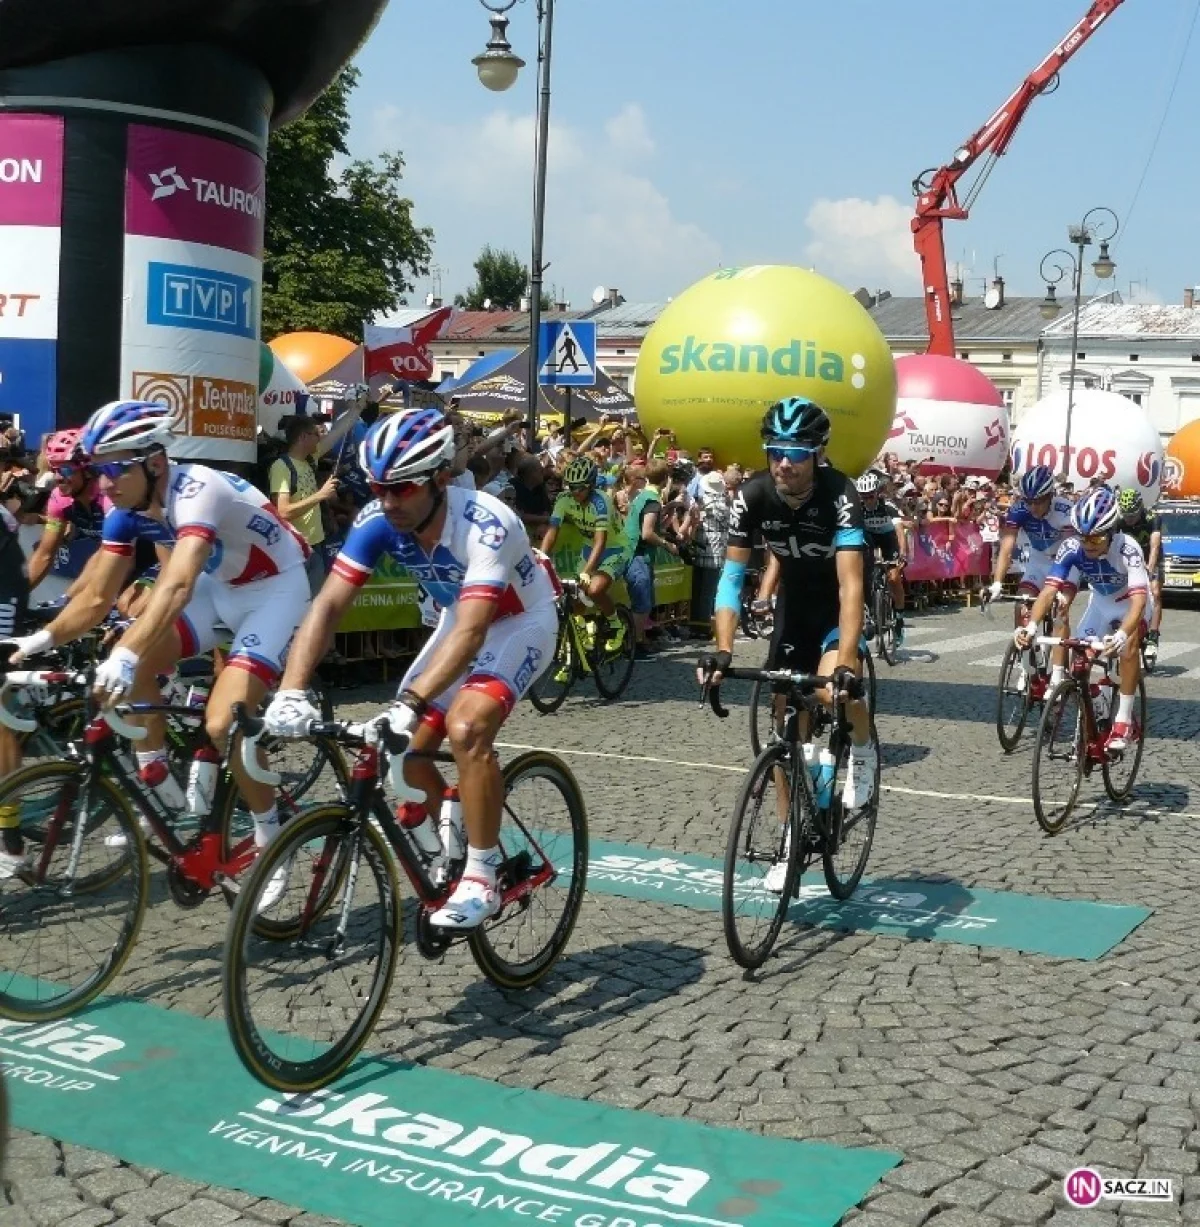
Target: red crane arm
(937, 191)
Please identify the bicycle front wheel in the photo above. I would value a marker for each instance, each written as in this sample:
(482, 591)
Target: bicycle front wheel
(763, 727)
(1012, 698)
(70, 914)
(544, 838)
(762, 859)
(299, 1008)
(1059, 756)
(552, 687)
(1120, 769)
(613, 664)
(885, 625)
(846, 847)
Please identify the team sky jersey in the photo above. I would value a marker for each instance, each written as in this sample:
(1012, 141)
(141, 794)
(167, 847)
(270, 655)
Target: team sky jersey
(805, 539)
(1117, 573)
(1142, 530)
(880, 520)
(249, 540)
(483, 555)
(1046, 535)
(590, 517)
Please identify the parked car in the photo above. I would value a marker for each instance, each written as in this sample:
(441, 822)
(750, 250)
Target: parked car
(1181, 545)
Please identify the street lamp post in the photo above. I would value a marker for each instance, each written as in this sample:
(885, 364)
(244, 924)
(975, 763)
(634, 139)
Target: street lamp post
(1053, 272)
(498, 68)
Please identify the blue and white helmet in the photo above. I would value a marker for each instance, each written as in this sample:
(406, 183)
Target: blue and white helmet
(1037, 483)
(1098, 511)
(129, 425)
(406, 445)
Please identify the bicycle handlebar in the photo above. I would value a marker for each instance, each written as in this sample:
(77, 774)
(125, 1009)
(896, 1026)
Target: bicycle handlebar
(806, 683)
(252, 729)
(30, 678)
(131, 732)
(1067, 641)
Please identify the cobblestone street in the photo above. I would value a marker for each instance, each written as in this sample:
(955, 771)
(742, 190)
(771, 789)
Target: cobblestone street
(992, 1072)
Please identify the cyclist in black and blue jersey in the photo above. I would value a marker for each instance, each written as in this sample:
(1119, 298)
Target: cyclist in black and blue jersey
(809, 516)
(881, 523)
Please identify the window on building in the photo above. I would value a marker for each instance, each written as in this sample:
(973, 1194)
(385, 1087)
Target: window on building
(1136, 397)
(1079, 357)
(1196, 357)
(1008, 395)
(444, 375)
(1006, 357)
(1133, 357)
(964, 355)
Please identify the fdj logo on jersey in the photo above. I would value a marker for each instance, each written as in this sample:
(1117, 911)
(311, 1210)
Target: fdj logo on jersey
(265, 527)
(798, 357)
(186, 487)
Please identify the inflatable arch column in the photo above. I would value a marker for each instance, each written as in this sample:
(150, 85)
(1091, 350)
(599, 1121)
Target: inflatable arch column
(132, 200)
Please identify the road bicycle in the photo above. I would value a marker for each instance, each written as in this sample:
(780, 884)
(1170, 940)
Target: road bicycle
(786, 816)
(885, 621)
(1072, 733)
(1024, 675)
(585, 647)
(765, 728)
(70, 912)
(300, 1007)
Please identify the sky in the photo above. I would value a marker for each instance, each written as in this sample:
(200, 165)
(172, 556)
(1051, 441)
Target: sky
(690, 134)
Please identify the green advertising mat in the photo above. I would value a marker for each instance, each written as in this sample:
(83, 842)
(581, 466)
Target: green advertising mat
(393, 1143)
(901, 907)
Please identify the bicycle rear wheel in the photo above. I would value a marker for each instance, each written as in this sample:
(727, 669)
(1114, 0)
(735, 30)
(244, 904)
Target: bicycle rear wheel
(613, 666)
(300, 1008)
(885, 624)
(1120, 771)
(66, 931)
(1058, 758)
(762, 836)
(544, 837)
(554, 684)
(1012, 698)
(846, 847)
(868, 672)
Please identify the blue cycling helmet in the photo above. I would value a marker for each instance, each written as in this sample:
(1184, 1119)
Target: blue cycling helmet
(796, 420)
(1038, 482)
(129, 425)
(407, 445)
(1097, 512)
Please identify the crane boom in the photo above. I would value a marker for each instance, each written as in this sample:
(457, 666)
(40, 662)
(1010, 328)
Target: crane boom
(937, 191)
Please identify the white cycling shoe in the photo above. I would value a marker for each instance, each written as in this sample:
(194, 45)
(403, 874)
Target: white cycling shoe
(118, 839)
(860, 777)
(13, 864)
(275, 888)
(777, 874)
(473, 902)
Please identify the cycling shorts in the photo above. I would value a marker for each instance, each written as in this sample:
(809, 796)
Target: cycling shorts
(799, 638)
(612, 563)
(262, 617)
(515, 653)
(888, 545)
(1104, 614)
(1034, 578)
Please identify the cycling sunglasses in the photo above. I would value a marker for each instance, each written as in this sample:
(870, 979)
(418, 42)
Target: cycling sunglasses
(65, 472)
(112, 469)
(1095, 538)
(790, 452)
(399, 489)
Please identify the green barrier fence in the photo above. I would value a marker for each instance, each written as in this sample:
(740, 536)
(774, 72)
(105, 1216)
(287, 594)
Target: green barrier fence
(388, 601)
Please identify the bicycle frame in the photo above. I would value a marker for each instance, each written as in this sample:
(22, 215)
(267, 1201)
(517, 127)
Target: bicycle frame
(1084, 657)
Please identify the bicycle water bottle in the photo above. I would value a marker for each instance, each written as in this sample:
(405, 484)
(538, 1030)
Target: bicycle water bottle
(197, 695)
(826, 769)
(415, 819)
(450, 828)
(1101, 700)
(202, 780)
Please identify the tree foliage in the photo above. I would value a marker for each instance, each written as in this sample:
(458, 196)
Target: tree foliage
(339, 246)
(501, 278)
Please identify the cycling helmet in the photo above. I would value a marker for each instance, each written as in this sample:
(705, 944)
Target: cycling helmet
(581, 471)
(128, 425)
(63, 447)
(796, 420)
(1130, 501)
(869, 483)
(1038, 482)
(406, 445)
(1096, 512)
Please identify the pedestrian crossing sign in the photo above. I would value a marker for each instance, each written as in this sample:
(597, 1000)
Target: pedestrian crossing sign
(567, 353)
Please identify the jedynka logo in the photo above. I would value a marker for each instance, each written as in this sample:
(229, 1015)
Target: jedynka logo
(602, 1165)
(206, 191)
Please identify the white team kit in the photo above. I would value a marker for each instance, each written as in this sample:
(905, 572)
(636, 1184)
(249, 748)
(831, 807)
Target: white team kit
(1112, 579)
(255, 581)
(1042, 536)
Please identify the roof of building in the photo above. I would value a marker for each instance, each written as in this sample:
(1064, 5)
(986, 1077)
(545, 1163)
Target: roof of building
(1019, 319)
(627, 321)
(497, 327)
(1108, 319)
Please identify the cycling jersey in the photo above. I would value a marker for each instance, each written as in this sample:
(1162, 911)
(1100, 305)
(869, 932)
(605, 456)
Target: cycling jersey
(80, 518)
(1112, 579)
(590, 517)
(250, 541)
(879, 524)
(1142, 529)
(483, 554)
(1044, 535)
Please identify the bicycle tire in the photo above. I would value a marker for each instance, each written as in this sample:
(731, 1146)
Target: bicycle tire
(1115, 791)
(502, 971)
(1058, 698)
(21, 1008)
(757, 707)
(842, 887)
(868, 668)
(547, 694)
(614, 689)
(253, 1044)
(1010, 735)
(745, 954)
(885, 625)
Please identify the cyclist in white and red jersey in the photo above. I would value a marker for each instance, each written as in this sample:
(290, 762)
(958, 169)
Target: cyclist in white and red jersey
(495, 634)
(233, 562)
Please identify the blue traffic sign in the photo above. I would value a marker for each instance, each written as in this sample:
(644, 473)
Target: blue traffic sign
(567, 353)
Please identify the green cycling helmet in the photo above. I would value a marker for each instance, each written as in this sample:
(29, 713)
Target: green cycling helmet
(1130, 501)
(580, 472)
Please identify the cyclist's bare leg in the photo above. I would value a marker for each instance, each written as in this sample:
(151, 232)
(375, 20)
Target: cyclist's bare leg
(10, 752)
(896, 584)
(1156, 595)
(160, 660)
(237, 685)
(598, 590)
(472, 723)
(423, 773)
(857, 711)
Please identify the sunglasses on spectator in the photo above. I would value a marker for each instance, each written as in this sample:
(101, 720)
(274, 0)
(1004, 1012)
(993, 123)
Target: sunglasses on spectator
(112, 469)
(398, 489)
(794, 454)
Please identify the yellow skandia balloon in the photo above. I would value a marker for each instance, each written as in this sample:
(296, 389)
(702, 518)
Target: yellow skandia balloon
(742, 338)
